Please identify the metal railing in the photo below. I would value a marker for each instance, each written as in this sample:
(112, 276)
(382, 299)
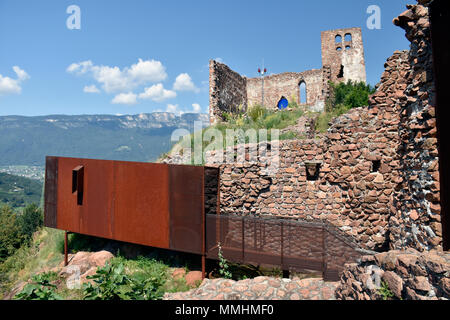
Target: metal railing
(289, 244)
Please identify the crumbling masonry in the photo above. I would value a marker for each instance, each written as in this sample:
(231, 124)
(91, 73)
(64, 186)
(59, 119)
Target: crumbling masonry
(376, 175)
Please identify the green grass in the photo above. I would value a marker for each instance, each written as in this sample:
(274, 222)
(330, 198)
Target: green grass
(45, 252)
(256, 118)
(42, 253)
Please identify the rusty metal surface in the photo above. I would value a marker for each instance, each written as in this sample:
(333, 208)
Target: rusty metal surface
(50, 194)
(186, 208)
(288, 244)
(141, 206)
(151, 204)
(173, 207)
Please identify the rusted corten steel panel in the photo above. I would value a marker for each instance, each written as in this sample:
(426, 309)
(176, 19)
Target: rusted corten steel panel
(141, 207)
(157, 205)
(186, 208)
(51, 187)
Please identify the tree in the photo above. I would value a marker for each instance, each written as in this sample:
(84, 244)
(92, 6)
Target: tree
(29, 221)
(10, 239)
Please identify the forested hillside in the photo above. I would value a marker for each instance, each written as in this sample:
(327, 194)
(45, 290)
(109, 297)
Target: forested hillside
(17, 192)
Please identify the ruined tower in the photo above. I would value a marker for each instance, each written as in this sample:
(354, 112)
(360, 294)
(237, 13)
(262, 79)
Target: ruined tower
(342, 60)
(343, 53)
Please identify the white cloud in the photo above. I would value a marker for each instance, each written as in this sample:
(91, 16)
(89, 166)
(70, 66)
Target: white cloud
(173, 108)
(13, 86)
(148, 71)
(220, 60)
(157, 93)
(196, 108)
(184, 83)
(125, 98)
(21, 74)
(113, 79)
(91, 89)
(8, 85)
(80, 68)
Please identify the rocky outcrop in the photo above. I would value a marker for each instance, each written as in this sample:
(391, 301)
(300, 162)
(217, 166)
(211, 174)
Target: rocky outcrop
(84, 264)
(407, 274)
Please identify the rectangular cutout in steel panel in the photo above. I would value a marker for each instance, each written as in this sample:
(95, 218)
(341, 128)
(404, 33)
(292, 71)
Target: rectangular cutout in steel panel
(78, 183)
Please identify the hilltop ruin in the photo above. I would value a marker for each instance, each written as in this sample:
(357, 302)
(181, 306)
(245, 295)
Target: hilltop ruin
(342, 60)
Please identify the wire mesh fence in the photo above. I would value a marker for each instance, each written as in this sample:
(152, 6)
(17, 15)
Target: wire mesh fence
(289, 244)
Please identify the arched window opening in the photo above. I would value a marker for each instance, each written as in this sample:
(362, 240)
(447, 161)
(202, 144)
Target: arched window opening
(348, 47)
(339, 49)
(338, 39)
(303, 97)
(348, 37)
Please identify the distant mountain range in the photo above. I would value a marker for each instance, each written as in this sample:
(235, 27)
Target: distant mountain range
(142, 137)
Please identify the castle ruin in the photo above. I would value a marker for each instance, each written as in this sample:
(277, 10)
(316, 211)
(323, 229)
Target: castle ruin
(342, 60)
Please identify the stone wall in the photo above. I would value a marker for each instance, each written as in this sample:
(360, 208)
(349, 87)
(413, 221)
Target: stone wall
(399, 204)
(227, 91)
(287, 85)
(416, 222)
(406, 274)
(358, 171)
(378, 178)
(345, 58)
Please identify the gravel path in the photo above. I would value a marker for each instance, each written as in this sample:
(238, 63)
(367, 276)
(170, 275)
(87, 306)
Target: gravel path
(260, 288)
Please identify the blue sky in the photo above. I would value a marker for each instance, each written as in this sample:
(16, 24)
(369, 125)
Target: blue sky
(141, 56)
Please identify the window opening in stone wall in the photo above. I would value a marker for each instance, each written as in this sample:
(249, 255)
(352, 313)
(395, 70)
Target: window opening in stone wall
(376, 165)
(339, 49)
(348, 37)
(347, 47)
(312, 171)
(338, 39)
(341, 72)
(303, 97)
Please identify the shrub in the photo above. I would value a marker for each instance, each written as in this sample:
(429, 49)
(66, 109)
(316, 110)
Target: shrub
(343, 97)
(350, 94)
(40, 289)
(112, 283)
(385, 292)
(256, 112)
(223, 264)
